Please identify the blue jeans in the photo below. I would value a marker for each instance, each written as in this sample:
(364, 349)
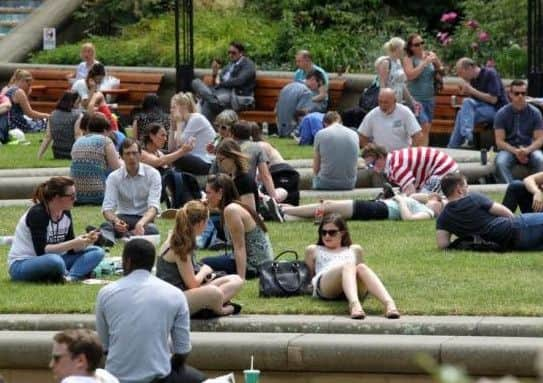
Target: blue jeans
(472, 112)
(53, 267)
(226, 263)
(517, 195)
(529, 229)
(505, 161)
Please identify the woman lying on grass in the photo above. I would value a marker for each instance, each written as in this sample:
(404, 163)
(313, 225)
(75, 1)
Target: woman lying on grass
(177, 265)
(400, 207)
(338, 270)
(44, 248)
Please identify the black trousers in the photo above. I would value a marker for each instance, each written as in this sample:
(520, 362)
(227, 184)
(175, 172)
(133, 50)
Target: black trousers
(185, 374)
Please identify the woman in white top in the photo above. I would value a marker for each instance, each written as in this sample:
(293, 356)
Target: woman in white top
(391, 73)
(86, 87)
(338, 269)
(188, 125)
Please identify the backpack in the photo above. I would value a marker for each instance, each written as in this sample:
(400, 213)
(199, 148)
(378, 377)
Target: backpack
(179, 188)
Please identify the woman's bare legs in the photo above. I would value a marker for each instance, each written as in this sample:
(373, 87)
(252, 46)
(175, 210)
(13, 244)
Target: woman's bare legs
(214, 295)
(374, 285)
(343, 278)
(425, 133)
(341, 207)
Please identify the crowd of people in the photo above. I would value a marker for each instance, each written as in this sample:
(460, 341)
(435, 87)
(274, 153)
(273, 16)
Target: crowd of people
(248, 182)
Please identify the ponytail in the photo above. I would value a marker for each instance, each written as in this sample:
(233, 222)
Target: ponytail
(54, 186)
(183, 239)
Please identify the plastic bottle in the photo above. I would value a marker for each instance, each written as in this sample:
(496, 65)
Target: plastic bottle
(319, 213)
(6, 240)
(265, 130)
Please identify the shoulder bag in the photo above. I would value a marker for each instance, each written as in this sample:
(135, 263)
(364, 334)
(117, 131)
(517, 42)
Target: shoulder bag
(284, 278)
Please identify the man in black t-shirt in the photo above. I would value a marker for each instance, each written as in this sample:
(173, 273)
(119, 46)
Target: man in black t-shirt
(475, 214)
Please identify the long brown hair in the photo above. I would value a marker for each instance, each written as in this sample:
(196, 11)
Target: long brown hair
(54, 186)
(231, 149)
(341, 224)
(230, 194)
(183, 239)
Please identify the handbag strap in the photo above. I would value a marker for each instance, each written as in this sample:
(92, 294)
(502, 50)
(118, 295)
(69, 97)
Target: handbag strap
(286, 252)
(296, 271)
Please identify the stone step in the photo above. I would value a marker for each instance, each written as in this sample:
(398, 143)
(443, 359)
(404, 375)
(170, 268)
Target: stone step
(4, 10)
(485, 326)
(299, 352)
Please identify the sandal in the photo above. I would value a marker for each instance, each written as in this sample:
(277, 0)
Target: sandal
(391, 312)
(356, 310)
(236, 307)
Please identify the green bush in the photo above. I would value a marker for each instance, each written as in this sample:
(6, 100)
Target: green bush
(504, 22)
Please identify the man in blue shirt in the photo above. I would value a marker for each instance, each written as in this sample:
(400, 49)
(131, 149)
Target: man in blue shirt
(518, 129)
(484, 95)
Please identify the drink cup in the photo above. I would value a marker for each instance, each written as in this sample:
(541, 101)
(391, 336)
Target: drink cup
(251, 376)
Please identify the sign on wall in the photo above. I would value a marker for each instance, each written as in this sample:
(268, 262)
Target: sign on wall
(49, 38)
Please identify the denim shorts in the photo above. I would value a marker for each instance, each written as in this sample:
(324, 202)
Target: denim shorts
(426, 114)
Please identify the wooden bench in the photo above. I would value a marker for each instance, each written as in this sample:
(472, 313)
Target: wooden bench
(445, 115)
(49, 85)
(267, 91)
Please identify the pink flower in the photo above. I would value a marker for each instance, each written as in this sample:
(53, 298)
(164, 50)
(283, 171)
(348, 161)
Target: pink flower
(474, 46)
(449, 17)
(447, 41)
(472, 24)
(442, 36)
(484, 36)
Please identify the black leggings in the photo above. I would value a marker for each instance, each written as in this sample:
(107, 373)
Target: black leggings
(369, 210)
(192, 164)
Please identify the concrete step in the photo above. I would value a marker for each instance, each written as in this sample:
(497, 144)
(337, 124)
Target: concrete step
(298, 352)
(485, 326)
(4, 10)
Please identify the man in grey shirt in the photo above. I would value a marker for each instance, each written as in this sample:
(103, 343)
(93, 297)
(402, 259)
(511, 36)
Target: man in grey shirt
(132, 196)
(135, 318)
(335, 157)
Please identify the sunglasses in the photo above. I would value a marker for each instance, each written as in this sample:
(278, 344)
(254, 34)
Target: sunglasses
(331, 233)
(516, 94)
(418, 44)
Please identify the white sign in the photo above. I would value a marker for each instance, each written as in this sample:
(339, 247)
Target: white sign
(49, 38)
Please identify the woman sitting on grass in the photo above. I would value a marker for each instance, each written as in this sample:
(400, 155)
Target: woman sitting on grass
(44, 247)
(338, 269)
(242, 224)
(62, 129)
(231, 160)
(177, 265)
(399, 207)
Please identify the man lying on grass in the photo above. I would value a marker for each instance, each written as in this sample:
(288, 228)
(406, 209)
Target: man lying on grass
(473, 214)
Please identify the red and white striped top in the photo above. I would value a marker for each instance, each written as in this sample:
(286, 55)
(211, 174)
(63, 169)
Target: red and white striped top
(417, 164)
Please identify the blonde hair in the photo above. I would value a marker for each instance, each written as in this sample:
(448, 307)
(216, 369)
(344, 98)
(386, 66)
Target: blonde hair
(183, 239)
(18, 75)
(227, 117)
(186, 99)
(393, 45)
(89, 46)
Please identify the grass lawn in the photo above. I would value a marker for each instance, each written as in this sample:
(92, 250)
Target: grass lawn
(422, 279)
(24, 156)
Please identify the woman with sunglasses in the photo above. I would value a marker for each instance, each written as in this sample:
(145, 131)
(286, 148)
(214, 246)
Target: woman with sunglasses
(188, 125)
(44, 247)
(338, 269)
(421, 68)
(177, 265)
(242, 225)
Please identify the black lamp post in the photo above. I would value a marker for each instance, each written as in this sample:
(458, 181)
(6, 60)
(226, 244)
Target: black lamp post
(535, 48)
(184, 45)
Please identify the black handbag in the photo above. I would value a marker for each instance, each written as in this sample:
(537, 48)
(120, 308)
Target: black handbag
(284, 278)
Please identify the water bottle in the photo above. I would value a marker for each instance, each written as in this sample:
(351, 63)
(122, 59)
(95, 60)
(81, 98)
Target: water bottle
(319, 213)
(265, 128)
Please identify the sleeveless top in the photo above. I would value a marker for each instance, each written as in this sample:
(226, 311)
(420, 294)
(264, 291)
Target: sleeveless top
(397, 79)
(422, 88)
(169, 272)
(16, 114)
(326, 259)
(89, 168)
(258, 248)
(62, 124)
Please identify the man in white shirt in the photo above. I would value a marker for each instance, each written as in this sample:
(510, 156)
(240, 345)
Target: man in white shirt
(390, 125)
(76, 356)
(137, 315)
(132, 196)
